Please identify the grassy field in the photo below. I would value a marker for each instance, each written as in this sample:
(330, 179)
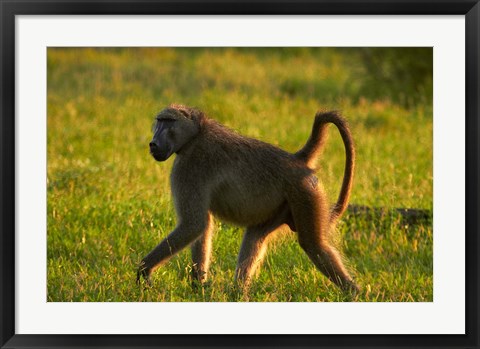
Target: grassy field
(109, 202)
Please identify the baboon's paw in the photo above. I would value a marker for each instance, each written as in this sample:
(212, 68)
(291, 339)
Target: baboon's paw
(143, 273)
(352, 289)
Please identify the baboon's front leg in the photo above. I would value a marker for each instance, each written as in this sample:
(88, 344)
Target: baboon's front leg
(201, 253)
(183, 235)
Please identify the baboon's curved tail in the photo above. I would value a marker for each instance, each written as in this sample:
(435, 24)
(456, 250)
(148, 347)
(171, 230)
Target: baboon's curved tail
(314, 146)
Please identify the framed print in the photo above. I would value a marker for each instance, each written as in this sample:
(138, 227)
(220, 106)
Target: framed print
(167, 179)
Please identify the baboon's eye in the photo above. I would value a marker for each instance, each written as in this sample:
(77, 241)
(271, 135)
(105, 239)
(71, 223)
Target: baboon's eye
(163, 124)
(166, 120)
(161, 121)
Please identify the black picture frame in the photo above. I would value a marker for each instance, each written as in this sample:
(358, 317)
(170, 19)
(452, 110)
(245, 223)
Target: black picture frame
(11, 8)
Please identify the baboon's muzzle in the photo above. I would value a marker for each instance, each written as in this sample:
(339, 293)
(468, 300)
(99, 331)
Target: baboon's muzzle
(159, 153)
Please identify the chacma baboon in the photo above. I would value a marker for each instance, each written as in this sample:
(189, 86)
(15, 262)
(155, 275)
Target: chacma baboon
(249, 183)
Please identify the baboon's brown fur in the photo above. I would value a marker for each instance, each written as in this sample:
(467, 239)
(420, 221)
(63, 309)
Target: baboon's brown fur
(249, 183)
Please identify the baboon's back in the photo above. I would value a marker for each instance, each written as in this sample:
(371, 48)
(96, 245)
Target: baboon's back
(249, 177)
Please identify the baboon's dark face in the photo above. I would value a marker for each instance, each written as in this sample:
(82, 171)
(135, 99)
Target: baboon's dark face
(162, 144)
(172, 130)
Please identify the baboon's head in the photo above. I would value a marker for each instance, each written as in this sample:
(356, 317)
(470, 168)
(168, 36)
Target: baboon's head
(174, 127)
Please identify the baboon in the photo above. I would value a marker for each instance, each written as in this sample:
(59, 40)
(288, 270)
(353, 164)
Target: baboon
(218, 172)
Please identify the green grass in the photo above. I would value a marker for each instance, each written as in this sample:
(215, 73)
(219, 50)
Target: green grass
(109, 202)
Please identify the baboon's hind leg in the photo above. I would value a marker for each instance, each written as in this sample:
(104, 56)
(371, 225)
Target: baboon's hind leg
(328, 260)
(311, 216)
(201, 254)
(254, 246)
(252, 251)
